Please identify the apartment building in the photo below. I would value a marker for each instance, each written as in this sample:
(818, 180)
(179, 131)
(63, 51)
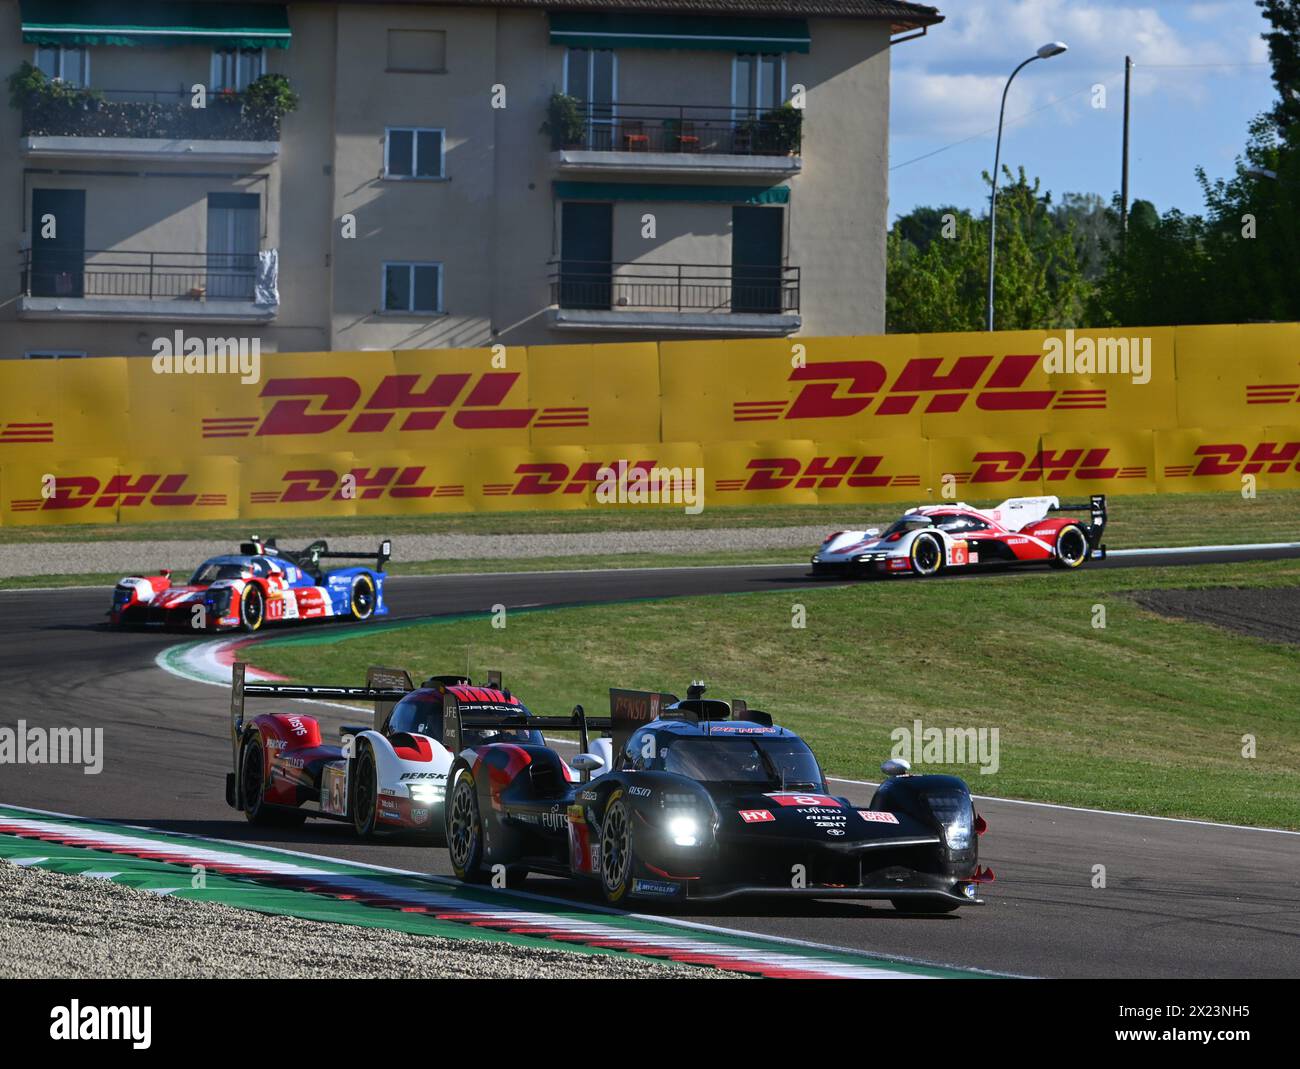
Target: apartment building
(356, 176)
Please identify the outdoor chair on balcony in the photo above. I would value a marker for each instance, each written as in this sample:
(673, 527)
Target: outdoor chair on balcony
(635, 138)
(687, 139)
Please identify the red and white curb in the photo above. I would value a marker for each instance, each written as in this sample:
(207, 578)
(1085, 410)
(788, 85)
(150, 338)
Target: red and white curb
(210, 661)
(447, 906)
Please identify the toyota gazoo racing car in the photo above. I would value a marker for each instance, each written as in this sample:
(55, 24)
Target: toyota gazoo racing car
(260, 584)
(699, 799)
(389, 777)
(931, 539)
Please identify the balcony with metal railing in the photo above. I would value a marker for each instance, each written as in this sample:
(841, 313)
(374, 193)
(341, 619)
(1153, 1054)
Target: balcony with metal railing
(675, 298)
(675, 139)
(148, 124)
(145, 284)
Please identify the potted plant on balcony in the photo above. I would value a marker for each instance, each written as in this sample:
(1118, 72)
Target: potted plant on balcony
(780, 130)
(271, 94)
(47, 102)
(564, 121)
(267, 100)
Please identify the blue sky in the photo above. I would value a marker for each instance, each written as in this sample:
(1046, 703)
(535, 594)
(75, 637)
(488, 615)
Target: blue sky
(1201, 74)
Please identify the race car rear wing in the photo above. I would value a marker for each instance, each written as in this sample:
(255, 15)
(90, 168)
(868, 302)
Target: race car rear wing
(455, 721)
(318, 551)
(1096, 506)
(385, 687)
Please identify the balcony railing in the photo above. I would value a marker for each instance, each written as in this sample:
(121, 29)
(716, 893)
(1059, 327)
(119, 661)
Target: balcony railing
(148, 113)
(699, 288)
(702, 129)
(120, 273)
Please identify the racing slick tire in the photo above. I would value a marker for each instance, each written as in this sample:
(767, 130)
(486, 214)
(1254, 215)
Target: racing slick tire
(927, 555)
(923, 905)
(465, 829)
(617, 858)
(1071, 547)
(252, 787)
(252, 608)
(363, 598)
(365, 792)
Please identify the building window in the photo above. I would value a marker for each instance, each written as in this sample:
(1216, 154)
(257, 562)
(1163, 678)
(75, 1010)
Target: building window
(413, 287)
(591, 77)
(233, 71)
(758, 83)
(70, 65)
(411, 152)
(417, 51)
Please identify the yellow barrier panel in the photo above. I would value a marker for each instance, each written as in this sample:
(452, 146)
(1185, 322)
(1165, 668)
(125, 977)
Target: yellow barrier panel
(588, 394)
(940, 385)
(109, 490)
(1231, 376)
(859, 419)
(806, 472)
(1226, 458)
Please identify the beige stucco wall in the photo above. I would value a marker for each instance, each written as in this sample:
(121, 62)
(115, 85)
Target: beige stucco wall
(839, 205)
(493, 223)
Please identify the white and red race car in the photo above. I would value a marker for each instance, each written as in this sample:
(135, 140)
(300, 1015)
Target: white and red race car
(389, 777)
(930, 539)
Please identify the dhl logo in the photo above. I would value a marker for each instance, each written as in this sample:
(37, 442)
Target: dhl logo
(321, 404)
(557, 478)
(819, 473)
(118, 491)
(1235, 458)
(838, 389)
(1003, 466)
(362, 484)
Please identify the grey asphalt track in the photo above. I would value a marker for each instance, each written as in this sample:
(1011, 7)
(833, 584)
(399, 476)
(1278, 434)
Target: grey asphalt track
(1182, 899)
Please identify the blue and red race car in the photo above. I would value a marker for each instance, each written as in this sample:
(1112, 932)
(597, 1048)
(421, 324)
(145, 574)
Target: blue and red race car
(260, 584)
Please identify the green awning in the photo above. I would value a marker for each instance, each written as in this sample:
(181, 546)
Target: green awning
(578, 29)
(84, 23)
(667, 191)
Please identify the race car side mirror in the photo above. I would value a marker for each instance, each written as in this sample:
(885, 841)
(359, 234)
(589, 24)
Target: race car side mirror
(895, 766)
(587, 762)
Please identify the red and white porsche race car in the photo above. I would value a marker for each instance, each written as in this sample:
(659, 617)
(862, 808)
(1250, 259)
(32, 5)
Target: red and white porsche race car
(389, 777)
(927, 540)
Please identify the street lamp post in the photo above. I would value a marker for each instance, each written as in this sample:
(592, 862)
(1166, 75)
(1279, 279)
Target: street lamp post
(1052, 48)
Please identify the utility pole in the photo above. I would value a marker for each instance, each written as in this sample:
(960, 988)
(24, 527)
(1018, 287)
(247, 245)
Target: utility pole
(1123, 185)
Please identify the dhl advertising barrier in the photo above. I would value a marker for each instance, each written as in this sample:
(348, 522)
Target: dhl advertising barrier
(785, 421)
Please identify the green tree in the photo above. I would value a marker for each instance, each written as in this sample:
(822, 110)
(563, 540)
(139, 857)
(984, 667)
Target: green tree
(938, 273)
(1284, 54)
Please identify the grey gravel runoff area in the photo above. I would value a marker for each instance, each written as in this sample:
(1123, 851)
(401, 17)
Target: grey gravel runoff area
(146, 558)
(74, 927)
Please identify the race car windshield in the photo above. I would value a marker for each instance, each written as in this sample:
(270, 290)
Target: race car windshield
(211, 571)
(775, 762)
(906, 524)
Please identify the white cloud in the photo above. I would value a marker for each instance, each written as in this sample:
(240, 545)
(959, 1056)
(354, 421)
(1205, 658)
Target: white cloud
(948, 84)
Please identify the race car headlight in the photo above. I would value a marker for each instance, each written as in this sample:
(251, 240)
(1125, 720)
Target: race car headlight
(427, 793)
(955, 814)
(685, 831)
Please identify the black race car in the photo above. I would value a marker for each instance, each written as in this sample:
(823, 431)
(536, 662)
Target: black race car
(701, 799)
